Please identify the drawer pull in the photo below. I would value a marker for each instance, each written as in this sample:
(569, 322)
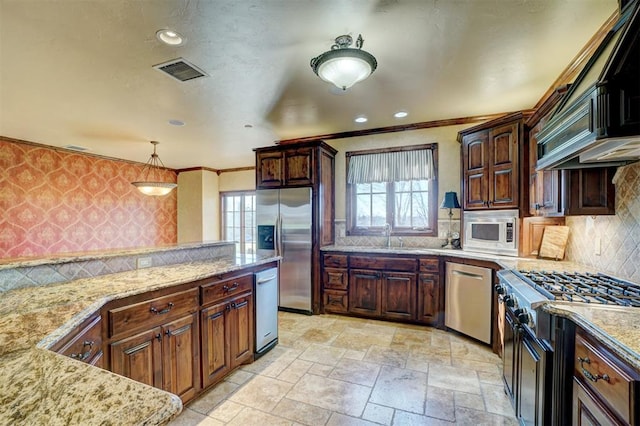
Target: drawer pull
(233, 287)
(164, 311)
(588, 374)
(87, 354)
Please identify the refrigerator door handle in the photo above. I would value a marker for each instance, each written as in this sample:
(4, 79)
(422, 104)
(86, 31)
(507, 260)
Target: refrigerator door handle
(278, 235)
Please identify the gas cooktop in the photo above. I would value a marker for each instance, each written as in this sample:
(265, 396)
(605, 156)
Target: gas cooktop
(583, 287)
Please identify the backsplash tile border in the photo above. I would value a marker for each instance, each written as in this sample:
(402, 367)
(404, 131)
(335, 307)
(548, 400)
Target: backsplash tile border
(52, 273)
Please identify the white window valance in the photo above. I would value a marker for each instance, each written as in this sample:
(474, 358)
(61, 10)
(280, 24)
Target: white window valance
(391, 166)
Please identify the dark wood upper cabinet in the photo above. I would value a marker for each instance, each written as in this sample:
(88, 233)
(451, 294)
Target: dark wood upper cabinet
(305, 164)
(490, 164)
(588, 191)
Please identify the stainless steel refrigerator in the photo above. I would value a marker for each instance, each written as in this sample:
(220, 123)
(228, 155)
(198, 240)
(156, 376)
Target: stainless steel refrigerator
(284, 228)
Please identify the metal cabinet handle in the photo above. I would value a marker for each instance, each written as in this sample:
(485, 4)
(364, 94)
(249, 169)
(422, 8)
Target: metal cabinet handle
(85, 355)
(159, 337)
(588, 374)
(164, 311)
(233, 287)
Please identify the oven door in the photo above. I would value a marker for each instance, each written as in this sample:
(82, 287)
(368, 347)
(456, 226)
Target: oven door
(533, 398)
(509, 356)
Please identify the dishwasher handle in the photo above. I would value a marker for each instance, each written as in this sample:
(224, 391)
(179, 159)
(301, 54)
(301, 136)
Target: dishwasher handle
(467, 274)
(267, 279)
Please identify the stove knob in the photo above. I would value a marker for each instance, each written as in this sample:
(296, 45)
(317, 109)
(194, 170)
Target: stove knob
(509, 301)
(500, 289)
(522, 315)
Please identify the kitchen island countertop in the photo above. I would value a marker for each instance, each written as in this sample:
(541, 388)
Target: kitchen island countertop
(43, 387)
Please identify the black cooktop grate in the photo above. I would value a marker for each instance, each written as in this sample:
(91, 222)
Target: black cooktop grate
(584, 287)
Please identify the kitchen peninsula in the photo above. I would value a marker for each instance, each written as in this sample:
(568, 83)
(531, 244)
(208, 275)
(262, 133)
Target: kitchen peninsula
(45, 387)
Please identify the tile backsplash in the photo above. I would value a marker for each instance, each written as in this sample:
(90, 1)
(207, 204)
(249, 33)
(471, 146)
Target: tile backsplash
(374, 241)
(50, 273)
(611, 244)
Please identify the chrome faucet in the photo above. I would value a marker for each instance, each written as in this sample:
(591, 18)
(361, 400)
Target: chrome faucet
(387, 233)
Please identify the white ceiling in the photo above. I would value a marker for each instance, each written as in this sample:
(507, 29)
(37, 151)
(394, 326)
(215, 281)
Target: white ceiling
(79, 72)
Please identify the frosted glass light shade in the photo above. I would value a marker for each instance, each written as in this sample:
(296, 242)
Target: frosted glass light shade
(344, 72)
(342, 65)
(154, 188)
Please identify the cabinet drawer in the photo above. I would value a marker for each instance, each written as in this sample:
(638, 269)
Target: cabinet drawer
(604, 377)
(335, 278)
(219, 290)
(429, 265)
(335, 260)
(335, 301)
(383, 263)
(152, 312)
(86, 344)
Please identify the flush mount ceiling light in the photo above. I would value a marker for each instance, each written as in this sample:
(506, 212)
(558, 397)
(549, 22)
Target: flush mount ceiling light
(401, 114)
(361, 119)
(344, 66)
(149, 183)
(170, 37)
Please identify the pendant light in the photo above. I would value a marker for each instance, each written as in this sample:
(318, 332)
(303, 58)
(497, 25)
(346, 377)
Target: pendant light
(149, 183)
(342, 65)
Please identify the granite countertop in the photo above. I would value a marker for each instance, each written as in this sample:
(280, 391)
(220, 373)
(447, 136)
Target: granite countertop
(43, 387)
(71, 257)
(615, 327)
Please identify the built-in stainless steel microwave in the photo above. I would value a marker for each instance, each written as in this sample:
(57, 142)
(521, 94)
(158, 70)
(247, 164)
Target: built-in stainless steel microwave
(491, 231)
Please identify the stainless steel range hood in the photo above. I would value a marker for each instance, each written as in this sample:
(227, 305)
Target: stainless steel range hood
(598, 122)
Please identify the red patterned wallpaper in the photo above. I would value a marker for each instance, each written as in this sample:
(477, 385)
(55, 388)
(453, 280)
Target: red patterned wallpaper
(59, 202)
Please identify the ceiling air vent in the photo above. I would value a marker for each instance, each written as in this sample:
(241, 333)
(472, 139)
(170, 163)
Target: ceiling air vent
(180, 69)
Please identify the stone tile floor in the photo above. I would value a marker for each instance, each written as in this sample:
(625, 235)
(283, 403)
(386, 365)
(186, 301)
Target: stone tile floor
(334, 370)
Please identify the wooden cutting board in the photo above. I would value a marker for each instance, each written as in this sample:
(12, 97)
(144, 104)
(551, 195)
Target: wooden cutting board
(554, 242)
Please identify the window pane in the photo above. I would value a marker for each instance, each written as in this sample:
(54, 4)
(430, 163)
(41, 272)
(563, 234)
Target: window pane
(420, 185)
(363, 188)
(378, 209)
(363, 206)
(403, 186)
(420, 209)
(379, 187)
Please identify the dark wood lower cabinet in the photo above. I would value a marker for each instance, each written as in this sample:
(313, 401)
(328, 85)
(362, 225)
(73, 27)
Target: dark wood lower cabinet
(164, 357)
(428, 299)
(398, 299)
(400, 288)
(139, 357)
(588, 410)
(365, 292)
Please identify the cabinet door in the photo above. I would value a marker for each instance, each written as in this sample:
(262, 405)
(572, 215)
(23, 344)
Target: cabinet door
(269, 169)
(428, 298)
(503, 166)
(241, 329)
(298, 167)
(364, 292)
(139, 357)
(180, 355)
(398, 295)
(544, 186)
(475, 164)
(589, 191)
(587, 409)
(215, 337)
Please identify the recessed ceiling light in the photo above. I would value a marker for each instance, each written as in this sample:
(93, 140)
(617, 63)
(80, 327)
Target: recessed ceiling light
(361, 119)
(174, 122)
(401, 114)
(248, 126)
(170, 37)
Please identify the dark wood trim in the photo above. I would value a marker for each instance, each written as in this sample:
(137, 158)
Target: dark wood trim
(577, 64)
(502, 120)
(548, 104)
(392, 129)
(432, 230)
(73, 151)
(432, 146)
(236, 169)
(194, 169)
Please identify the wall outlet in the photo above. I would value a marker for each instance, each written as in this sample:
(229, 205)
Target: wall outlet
(597, 246)
(143, 262)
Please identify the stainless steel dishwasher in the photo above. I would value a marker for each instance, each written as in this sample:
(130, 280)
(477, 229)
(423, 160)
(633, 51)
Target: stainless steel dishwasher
(266, 310)
(468, 300)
